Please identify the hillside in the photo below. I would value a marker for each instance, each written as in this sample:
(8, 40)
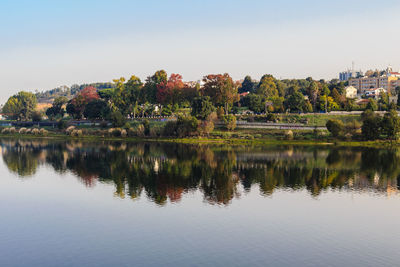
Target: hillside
(69, 92)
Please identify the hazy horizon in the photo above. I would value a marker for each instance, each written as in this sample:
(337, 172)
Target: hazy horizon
(48, 44)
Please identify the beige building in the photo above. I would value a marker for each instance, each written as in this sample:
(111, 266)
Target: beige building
(351, 92)
(388, 83)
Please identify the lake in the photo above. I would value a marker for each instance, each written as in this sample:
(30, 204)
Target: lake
(72, 203)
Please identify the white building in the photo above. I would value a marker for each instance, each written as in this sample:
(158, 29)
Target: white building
(351, 92)
(375, 93)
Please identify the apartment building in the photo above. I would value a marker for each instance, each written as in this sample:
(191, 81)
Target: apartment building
(388, 83)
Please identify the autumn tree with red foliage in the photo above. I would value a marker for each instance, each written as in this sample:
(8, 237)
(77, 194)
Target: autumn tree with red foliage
(169, 92)
(76, 106)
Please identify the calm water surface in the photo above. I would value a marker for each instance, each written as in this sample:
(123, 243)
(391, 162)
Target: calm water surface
(128, 204)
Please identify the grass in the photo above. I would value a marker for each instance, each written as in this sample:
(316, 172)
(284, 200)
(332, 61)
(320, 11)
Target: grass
(320, 119)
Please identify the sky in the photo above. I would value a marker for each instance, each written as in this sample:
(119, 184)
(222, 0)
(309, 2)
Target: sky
(46, 44)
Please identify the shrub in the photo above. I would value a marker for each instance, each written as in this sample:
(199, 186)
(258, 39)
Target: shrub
(230, 122)
(69, 130)
(140, 131)
(22, 130)
(43, 132)
(213, 117)
(118, 119)
(186, 126)
(353, 127)
(205, 128)
(289, 135)
(35, 131)
(116, 132)
(76, 133)
(335, 127)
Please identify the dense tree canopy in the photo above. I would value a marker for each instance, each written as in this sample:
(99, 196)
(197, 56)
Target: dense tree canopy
(267, 87)
(202, 107)
(247, 85)
(97, 109)
(20, 106)
(221, 89)
(76, 106)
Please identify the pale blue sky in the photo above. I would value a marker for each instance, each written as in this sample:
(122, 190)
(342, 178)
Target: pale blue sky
(44, 44)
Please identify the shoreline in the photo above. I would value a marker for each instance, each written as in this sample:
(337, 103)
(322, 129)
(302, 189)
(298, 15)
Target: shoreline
(214, 141)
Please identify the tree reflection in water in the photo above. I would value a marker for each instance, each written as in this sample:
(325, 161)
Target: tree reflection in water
(167, 171)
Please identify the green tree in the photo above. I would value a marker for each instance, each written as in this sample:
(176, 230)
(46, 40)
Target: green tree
(202, 107)
(371, 127)
(372, 105)
(326, 103)
(97, 109)
(391, 124)
(126, 95)
(295, 102)
(230, 122)
(107, 94)
(37, 116)
(255, 103)
(221, 89)
(247, 85)
(277, 103)
(308, 107)
(267, 87)
(312, 92)
(339, 99)
(150, 87)
(57, 109)
(383, 101)
(20, 106)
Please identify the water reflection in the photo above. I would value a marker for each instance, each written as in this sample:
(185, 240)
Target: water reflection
(167, 171)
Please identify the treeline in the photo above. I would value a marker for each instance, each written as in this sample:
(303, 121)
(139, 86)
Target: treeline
(162, 95)
(217, 96)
